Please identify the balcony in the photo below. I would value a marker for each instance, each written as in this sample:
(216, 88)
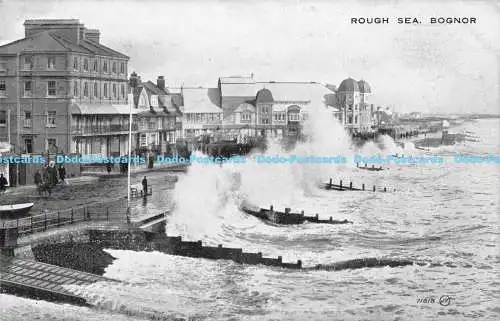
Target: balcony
(102, 129)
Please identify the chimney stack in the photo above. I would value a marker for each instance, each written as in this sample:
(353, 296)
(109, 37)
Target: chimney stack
(160, 82)
(92, 35)
(68, 28)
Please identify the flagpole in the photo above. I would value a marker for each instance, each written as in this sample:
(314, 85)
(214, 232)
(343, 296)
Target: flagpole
(130, 102)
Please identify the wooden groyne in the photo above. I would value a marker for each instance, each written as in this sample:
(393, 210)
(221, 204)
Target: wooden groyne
(174, 245)
(350, 187)
(287, 218)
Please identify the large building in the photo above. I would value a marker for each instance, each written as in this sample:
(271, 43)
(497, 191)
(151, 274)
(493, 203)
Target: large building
(58, 87)
(353, 102)
(273, 108)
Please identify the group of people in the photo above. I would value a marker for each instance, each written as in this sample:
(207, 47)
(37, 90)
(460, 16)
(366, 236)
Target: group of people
(51, 176)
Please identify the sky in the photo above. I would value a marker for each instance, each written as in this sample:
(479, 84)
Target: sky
(425, 67)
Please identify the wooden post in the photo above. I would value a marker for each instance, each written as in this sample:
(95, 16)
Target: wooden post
(45, 221)
(317, 217)
(58, 218)
(385, 189)
(340, 184)
(331, 219)
(71, 216)
(374, 188)
(350, 185)
(330, 183)
(363, 186)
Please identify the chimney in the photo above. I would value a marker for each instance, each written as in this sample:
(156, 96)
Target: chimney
(160, 82)
(71, 29)
(92, 35)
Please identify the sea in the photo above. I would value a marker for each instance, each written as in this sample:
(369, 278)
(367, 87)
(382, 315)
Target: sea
(445, 216)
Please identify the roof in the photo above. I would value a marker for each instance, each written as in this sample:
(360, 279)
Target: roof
(244, 107)
(53, 41)
(101, 109)
(348, 85)
(201, 100)
(237, 80)
(264, 96)
(154, 89)
(290, 92)
(364, 87)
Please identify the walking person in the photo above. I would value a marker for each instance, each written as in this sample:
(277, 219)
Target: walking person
(3, 183)
(62, 173)
(38, 178)
(145, 186)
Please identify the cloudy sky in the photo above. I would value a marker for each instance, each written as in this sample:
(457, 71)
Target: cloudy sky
(425, 67)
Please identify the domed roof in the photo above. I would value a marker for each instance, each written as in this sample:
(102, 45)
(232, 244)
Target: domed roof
(349, 85)
(264, 96)
(364, 87)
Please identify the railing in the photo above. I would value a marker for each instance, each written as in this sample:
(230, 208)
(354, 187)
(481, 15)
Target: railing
(102, 129)
(46, 221)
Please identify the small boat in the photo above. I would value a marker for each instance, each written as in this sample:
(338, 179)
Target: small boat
(15, 209)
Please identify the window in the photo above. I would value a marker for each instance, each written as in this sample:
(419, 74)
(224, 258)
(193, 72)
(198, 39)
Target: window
(294, 116)
(3, 118)
(51, 119)
(122, 68)
(51, 62)
(52, 145)
(246, 116)
(113, 68)
(75, 63)
(350, 120)
(51, 88)
(105, 66)
(75, 88)
(28, 62)
(95, 65)
(123, 90)
(28, 145)
(86, 64)
(356, 119)
(143, 141)
(265, 121)
(85, 90)
(27, 119)
(96, 92)
(264, 110)
(114, 90)
(3, 88)
(27, 89)
(105, 90)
